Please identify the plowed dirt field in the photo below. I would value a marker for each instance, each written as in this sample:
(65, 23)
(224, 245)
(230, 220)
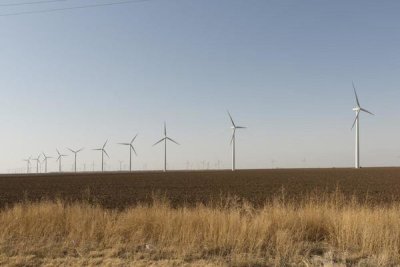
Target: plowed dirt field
(120, 190)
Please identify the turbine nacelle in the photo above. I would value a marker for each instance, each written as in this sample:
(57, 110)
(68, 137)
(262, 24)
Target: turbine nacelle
(75, 151)
(130, 144)
(46, 157)
(166, 137)
(60, 155)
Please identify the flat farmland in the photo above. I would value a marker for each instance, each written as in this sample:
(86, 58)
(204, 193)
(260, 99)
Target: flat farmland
(120, 190)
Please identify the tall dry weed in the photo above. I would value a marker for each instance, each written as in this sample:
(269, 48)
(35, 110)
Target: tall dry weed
(320, 229)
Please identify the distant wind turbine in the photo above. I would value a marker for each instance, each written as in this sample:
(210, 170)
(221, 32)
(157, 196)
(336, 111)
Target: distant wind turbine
(75, 153)
(37, 163)
(28, 164)
(45, 161)
(356, 122)
(165, 138)
(103, 151)
(131, 148)
(59, 159)
(233, 140)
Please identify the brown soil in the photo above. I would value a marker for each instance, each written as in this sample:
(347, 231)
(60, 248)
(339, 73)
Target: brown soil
(120, 190)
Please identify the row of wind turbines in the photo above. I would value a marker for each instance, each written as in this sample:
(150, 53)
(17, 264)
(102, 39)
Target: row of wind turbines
(103, 151)
(75, 153)
(358, 109)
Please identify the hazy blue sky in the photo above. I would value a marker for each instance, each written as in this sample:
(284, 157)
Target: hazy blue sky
(282, 67)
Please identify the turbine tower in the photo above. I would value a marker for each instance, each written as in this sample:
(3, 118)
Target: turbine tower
(356, 122)
(103, 151)
(131, 148)
(165, 138)
(59, 159)
(75, 153)
(37, 163)
(28, 164)
(45, 161)
(233, 140)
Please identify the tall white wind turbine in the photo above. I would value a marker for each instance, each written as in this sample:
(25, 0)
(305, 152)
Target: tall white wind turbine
(234, 127)
(45, 161)
(75, 153)
(356, 122)
(37, 163)
(131, 148)
(103, 151)
(59, 159)
(165, 139)
(28, 164)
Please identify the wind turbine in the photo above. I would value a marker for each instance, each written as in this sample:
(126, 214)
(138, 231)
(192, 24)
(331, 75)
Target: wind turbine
(165, 138)
(130, 151)
(37, 163)
(233, 140)
(59, 159)
(356, 122)
(103, 151)
(45, 161)
(75, 153)
(28, 163)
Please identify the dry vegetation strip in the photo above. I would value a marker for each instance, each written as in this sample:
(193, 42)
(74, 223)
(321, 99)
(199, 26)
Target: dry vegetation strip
(225, 233)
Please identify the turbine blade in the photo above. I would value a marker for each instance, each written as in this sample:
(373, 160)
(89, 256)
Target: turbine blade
(233, 123)
(134, 150)
(105, 152)
(80, 149)
(159, 141)
(355, 93)
(241, 127)
(367, 111)
(170, 139)
(105, 144)
(133, 139)
(233, 136)
(355, 120)
(124, 144)
(165, 128)
(58, 152)
(97, 149)
(71, 150)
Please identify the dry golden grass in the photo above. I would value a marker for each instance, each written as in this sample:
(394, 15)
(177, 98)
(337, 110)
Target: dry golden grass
(320, 231)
